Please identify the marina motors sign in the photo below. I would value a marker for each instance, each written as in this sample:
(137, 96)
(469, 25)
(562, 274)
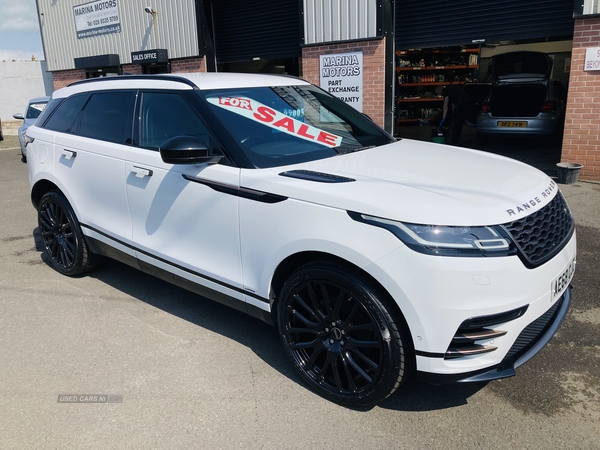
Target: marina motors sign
(97, 18)
(342, 76)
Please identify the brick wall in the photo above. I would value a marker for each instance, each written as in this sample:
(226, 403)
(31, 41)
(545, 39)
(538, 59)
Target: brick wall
(188, 65)
(373, 72)
(133, 69)
(581, 142)
(65, 77)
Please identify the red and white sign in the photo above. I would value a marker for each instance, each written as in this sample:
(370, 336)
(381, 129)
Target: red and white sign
(260, 113)
(38, 106)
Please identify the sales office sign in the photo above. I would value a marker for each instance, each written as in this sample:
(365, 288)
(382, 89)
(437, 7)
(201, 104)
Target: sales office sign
(97, 18)
(342, 76)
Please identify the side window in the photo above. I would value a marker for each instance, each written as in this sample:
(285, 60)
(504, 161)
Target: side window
(63, 118)
(166, 115)
(108, 117)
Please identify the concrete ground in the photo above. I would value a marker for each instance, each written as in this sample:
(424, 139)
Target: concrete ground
(10, 141)
(184, 372)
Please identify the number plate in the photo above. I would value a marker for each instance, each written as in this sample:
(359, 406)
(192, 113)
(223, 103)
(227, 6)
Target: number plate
(560, 283)
(513, 124)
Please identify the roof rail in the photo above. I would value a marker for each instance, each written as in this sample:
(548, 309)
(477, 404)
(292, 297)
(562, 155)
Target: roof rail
(137, 77)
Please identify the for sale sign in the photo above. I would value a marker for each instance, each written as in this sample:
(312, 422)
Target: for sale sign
(342, 76)
(256, 111)
(97, 18)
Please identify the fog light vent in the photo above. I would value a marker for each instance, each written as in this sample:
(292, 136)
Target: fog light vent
(464, 343)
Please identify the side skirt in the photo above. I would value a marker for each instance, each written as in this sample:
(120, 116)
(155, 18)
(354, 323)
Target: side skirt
(104, 249)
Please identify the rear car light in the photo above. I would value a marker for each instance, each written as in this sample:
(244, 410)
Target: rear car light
(549, 107)
(485, 107)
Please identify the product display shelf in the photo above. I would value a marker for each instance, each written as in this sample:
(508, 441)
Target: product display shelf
(420, 71)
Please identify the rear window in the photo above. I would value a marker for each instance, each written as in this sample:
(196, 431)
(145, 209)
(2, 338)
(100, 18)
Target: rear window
(63, 117)
(518, 100)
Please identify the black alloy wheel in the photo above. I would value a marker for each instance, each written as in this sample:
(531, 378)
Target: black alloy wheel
(343, 334)
(63, 240)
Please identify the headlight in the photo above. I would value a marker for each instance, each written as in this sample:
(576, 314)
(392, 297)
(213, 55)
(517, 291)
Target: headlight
(445, 240)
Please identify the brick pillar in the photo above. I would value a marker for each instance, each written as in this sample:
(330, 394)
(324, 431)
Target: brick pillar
(582, 121)
(373, 72)
(133, 69)
(63, 78)
(188, 65)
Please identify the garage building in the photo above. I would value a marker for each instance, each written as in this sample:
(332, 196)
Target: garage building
(357, 49)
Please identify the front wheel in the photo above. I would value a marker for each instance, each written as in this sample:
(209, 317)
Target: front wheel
(343, 334)
(64, 244)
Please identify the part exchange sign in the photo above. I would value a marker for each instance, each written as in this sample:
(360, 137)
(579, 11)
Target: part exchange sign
(342, 76)
(97, 18)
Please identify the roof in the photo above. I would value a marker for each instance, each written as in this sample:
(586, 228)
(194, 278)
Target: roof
(39, 99)
(181, 81)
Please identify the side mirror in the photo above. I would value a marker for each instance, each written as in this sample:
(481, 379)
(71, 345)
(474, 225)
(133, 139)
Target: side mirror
(19, 116)
(186, 150)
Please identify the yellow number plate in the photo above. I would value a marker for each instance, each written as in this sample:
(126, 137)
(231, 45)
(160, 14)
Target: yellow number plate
(513, 124)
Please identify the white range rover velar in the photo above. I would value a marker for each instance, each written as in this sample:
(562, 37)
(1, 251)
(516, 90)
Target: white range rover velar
(376, 258)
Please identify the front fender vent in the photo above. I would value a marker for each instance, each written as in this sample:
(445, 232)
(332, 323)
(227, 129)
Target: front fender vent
(320, 177)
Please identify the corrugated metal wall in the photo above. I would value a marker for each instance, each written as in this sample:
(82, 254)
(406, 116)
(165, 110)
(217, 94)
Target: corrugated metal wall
(341, 20)
(587, 7)
(173, 28)
(436, 23)
(265, 29)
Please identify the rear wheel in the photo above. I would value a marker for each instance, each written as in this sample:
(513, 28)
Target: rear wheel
(64, 244)
(343, 334)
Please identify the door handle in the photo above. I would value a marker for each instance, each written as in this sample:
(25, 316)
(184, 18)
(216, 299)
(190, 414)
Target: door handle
(140, 172)
(68, 154)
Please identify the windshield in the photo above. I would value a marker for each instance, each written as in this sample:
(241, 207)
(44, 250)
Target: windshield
(35, 109)
(291, 124)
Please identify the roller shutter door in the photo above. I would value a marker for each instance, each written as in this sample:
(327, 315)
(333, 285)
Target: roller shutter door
(437, 23)
(267, 29)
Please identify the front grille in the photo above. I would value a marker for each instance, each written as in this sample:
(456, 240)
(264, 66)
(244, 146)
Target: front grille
(530, 335)
(544, 233)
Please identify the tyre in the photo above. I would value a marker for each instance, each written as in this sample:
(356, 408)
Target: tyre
(343, 334)
(64, 244)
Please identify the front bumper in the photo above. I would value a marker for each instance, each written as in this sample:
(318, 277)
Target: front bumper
(529, 343)
(437, 294)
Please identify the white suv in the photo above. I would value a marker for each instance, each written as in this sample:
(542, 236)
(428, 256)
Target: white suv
(376, 258)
